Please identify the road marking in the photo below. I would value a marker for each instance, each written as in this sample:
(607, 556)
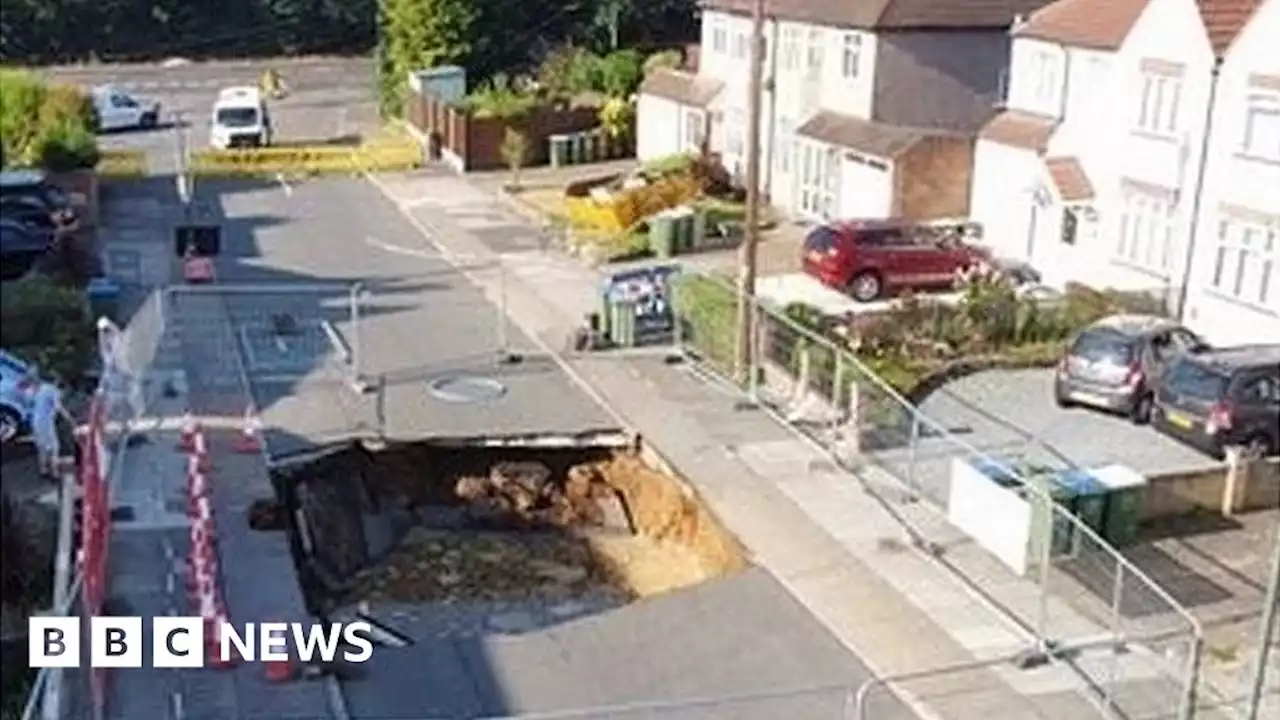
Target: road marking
(284, 184)
(401, 250)
(168, 583)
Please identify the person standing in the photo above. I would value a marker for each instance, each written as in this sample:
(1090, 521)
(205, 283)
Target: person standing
(45, 409)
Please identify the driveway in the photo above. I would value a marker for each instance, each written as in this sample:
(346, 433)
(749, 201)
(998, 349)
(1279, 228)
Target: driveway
(1011, 414)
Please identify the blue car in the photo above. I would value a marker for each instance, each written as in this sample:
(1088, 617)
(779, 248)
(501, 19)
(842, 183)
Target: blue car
(16, 397)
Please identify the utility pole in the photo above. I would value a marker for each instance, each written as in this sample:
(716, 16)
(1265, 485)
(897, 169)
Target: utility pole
(1270, 607)
(743, 361)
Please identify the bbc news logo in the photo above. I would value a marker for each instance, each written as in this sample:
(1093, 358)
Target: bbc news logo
(182, 642)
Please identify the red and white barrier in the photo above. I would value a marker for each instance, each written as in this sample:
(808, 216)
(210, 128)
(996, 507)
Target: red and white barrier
(202, 560)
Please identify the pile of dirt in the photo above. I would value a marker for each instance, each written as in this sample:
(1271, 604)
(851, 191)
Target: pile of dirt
(524, 496)
(456, 567)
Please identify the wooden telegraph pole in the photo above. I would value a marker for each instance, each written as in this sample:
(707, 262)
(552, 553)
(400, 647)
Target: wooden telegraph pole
(743, 361)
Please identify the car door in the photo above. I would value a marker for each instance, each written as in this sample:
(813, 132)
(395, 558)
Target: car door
(1163, 348)
(1258, 412)
(124, 110)
(911, 260)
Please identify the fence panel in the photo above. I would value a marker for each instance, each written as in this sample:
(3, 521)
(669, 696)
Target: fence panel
(1084, 588)
(818, 703)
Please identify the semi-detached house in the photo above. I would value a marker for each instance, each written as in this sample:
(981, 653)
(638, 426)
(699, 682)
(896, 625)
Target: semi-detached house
(1137, 149)
(870, 107)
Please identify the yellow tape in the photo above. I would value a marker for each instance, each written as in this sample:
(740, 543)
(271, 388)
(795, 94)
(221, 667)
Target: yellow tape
(631, 206)
(122, 163)
(311, 160)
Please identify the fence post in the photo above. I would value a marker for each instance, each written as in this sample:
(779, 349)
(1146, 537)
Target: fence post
(356, 290)
(1187, 709)
(1117, 597)
(755, 359)
(1046, 559)
(913, 442)
(677, 320)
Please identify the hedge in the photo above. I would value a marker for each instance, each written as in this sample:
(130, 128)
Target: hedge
(49, 325)
(49, 126)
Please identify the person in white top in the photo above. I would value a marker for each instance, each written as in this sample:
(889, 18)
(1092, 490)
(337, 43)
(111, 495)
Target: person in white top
(46, 407)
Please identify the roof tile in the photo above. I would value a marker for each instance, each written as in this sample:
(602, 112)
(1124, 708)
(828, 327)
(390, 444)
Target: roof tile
(683, 87)
(1069, 177)
(1097, 24)
(1224, 19)
(876, 139)
(1019, 129)
(889, 14)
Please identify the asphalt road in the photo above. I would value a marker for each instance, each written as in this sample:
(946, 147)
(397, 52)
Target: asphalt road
(329, 98)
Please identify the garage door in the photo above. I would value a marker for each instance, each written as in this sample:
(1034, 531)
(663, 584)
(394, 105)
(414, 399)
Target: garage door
(866, 188)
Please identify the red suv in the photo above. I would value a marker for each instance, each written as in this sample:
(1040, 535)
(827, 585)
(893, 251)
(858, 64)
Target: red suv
(869, 259)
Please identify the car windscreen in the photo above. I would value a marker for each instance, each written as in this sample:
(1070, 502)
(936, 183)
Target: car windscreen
(821, 239)
(236, 117)
(1102, 345)
(1192, 379)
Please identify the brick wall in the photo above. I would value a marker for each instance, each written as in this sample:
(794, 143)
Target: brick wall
(932, 179)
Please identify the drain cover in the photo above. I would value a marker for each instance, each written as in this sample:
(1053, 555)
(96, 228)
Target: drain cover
(466, 388)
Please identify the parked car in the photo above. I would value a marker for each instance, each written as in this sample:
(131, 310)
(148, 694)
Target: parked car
(1116, 363)
(114, 109)
(21, 246)
(869, 259)
(1219, 398)
(16, 396)
(34, 185)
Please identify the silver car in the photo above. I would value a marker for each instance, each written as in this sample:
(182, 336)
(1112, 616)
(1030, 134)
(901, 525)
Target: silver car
(1116, 363)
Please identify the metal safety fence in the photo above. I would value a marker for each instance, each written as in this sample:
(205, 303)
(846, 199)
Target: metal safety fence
(1084, 590)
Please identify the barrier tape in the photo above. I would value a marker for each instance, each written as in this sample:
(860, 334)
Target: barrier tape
(122, 163)
(310, 160)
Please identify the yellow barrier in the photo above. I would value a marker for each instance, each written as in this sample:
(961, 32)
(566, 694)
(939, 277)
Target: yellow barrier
(631, 206)
(122, 163)
(311, 160)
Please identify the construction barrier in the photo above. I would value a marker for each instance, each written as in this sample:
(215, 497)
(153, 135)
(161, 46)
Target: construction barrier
(122, 164)
(202, 555)
(626, 208)
(384, 156)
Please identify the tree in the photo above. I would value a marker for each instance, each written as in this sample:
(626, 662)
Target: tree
(49, 325)
(420, 34)
(48, 126)
(515, 151)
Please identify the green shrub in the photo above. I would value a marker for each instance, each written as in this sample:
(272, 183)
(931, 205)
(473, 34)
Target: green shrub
(48, 126)
(621, 73)
(49, 325)
(497, 98)
(709, 310)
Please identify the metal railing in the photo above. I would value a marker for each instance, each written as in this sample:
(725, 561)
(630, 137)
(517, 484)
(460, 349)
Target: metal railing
(1085, 588)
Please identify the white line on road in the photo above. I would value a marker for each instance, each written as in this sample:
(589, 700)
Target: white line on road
(401, 250)
(284, 185)
(168, 582)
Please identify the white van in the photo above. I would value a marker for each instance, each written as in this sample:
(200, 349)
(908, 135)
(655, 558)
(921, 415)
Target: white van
(114, 109)
(240, 119)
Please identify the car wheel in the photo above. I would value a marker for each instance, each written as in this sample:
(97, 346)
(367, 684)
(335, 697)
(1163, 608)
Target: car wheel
(1140, 414)
(10, 425)
(149, 120)
(1062, 401)
(865, 286)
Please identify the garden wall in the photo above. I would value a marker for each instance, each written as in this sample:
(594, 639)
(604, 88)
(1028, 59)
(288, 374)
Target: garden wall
(471, 143)
(1235, 488)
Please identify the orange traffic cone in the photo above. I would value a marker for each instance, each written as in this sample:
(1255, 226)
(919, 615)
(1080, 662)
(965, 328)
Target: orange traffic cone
(190, 429)
(213, 642)
(279, 671)
(249, 440)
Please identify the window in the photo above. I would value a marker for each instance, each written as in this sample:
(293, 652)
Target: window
(818, 180)
(1047, 83)
(1070, 226)
(693, 129)
(791, 49)
(1247, 263)
(813, 59)
(123, 101)
(1146, 237)
(1161, 95)
(719, 36)
(740, 46)
(851, 56)
(1260, 391)
(735, 140)
(1262, 127)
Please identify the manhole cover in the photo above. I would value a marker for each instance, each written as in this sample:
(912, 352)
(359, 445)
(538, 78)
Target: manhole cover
(466, 388)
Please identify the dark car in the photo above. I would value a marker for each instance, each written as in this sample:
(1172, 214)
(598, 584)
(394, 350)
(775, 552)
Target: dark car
(27, 211)
(1219, 398)
(35, 185)
(21, 246)
(1116, 363)
(869, 259)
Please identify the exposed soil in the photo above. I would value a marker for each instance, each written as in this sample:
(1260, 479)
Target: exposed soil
(512, 525)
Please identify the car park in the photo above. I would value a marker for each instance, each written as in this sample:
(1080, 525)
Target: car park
(1223, 397)
(869, 259)
(114, 109)
(1116, 363)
